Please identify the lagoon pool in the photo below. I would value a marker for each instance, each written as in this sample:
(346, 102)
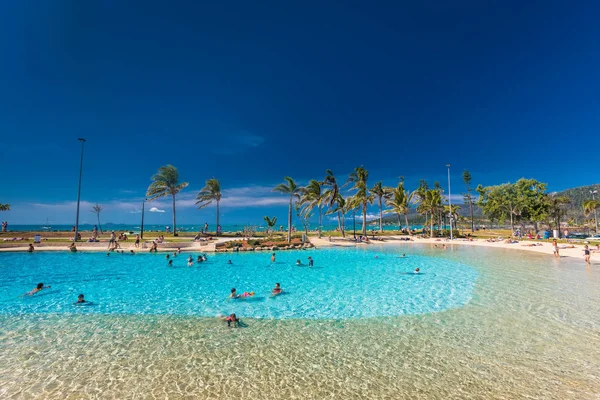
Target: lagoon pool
(342, 284)
(479, 323)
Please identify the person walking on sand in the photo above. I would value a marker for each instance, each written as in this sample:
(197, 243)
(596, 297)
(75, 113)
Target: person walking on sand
(586, 254)
(555, 249)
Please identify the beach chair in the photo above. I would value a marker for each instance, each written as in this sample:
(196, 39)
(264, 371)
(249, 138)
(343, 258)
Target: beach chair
(37, 239)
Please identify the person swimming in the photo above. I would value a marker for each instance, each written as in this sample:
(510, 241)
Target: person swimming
(204, 258)
(234, 294)
(30, 249)
(170, 263)
(403, 255)
(80, 300)
(190, 259)
(311, 262)
(190, 262)
(277, 289)
(199, 259)
(273, 257)
(175, 254)
(298, 262)
(229, 262)
(417, 270)
(38, 288)
(167, 256)
(131, 252)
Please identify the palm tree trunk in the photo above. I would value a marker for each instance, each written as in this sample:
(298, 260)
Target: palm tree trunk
(289, 236)
(472, 220)
(380, 216)
(341, 224)
(174, 218)
(364, 212)
(399, 224)
(320, 219)
(407, 226)
(512, 225)
(100, 225)
(431, 231)
(217, 228)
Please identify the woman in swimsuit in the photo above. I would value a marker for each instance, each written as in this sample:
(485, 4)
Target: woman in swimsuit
(38, 288)
(586, 254)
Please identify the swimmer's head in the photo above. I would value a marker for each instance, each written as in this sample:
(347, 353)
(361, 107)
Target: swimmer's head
(277, 284)
(40, 285)
(80, 297)
(107, 254)
(232, 290)
(417, 270)
(167, 256)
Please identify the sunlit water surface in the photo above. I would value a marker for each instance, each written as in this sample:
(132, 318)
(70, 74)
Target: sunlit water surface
(477, 323)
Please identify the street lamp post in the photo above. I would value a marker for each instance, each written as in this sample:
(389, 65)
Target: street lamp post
(142, 227)
(82, 140)
(593, 192)
(450, 202)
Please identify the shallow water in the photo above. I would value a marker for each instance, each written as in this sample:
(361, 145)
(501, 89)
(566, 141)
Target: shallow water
(530, 329)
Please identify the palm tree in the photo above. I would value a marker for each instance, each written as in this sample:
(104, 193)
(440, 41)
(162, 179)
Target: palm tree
(453, 212)
(430, 201)
(332, 198)
(209, 193)
(166, 182)
(340, 208)
(380, 193)
(358, 178)
(312, 196)
(400, 202)
(96, 209)
(289, 187)
(591, 206)
(468, 197)
(270, 223)
(4, 207)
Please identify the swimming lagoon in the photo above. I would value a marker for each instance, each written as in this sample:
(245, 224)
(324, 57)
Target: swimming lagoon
(475, 323)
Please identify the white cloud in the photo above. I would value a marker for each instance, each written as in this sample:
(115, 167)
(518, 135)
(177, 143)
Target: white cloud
(156, 210)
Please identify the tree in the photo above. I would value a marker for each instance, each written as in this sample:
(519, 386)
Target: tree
(164, 183)
(453, 213)
(381, 193)
(555, 204)
(97, 209)
(333, 198)
(340, 208)
(303, 216)
(4, 207)
(431, 202)
(209, 193)
(270, 223)
(358, 178)
(400, 202)
(590, 207)
(312, 196)
(290, 188)
(468, 196)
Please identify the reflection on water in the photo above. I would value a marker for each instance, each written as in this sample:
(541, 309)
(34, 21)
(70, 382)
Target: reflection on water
(531, 330)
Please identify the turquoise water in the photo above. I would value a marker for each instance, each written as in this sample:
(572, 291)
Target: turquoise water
(343, 284)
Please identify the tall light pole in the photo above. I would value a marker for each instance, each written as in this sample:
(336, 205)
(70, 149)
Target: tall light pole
(142, 227)
(593, 192)
(82, 140)
(450, 202)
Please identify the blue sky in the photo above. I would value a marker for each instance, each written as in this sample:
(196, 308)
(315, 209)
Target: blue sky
(249, 92)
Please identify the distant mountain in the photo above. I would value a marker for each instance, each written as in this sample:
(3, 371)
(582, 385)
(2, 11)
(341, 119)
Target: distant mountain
(578, 195)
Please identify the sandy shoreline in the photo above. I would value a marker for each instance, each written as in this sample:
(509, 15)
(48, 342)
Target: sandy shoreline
(544, 248)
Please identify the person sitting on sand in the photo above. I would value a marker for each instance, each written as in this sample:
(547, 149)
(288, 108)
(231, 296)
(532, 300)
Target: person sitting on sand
(179, 250)
(232, 320)
(566, 246)
(38, 288)
(80, 300)
(30, 249)
(73, 248)
(277, 289)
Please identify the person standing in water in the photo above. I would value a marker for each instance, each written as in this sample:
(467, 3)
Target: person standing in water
(586, 254)
(555, 248)
(311, 262)
(273, 257)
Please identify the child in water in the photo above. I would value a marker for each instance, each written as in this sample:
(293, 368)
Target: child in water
(199, 259)
(80, 300)
(311, 262)
(232, 319)
(234, 294)
(229, 262)
(298, 263)
(417, 271)
(170, 263)
(277, 289)
(39, 287)
(273, 257)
